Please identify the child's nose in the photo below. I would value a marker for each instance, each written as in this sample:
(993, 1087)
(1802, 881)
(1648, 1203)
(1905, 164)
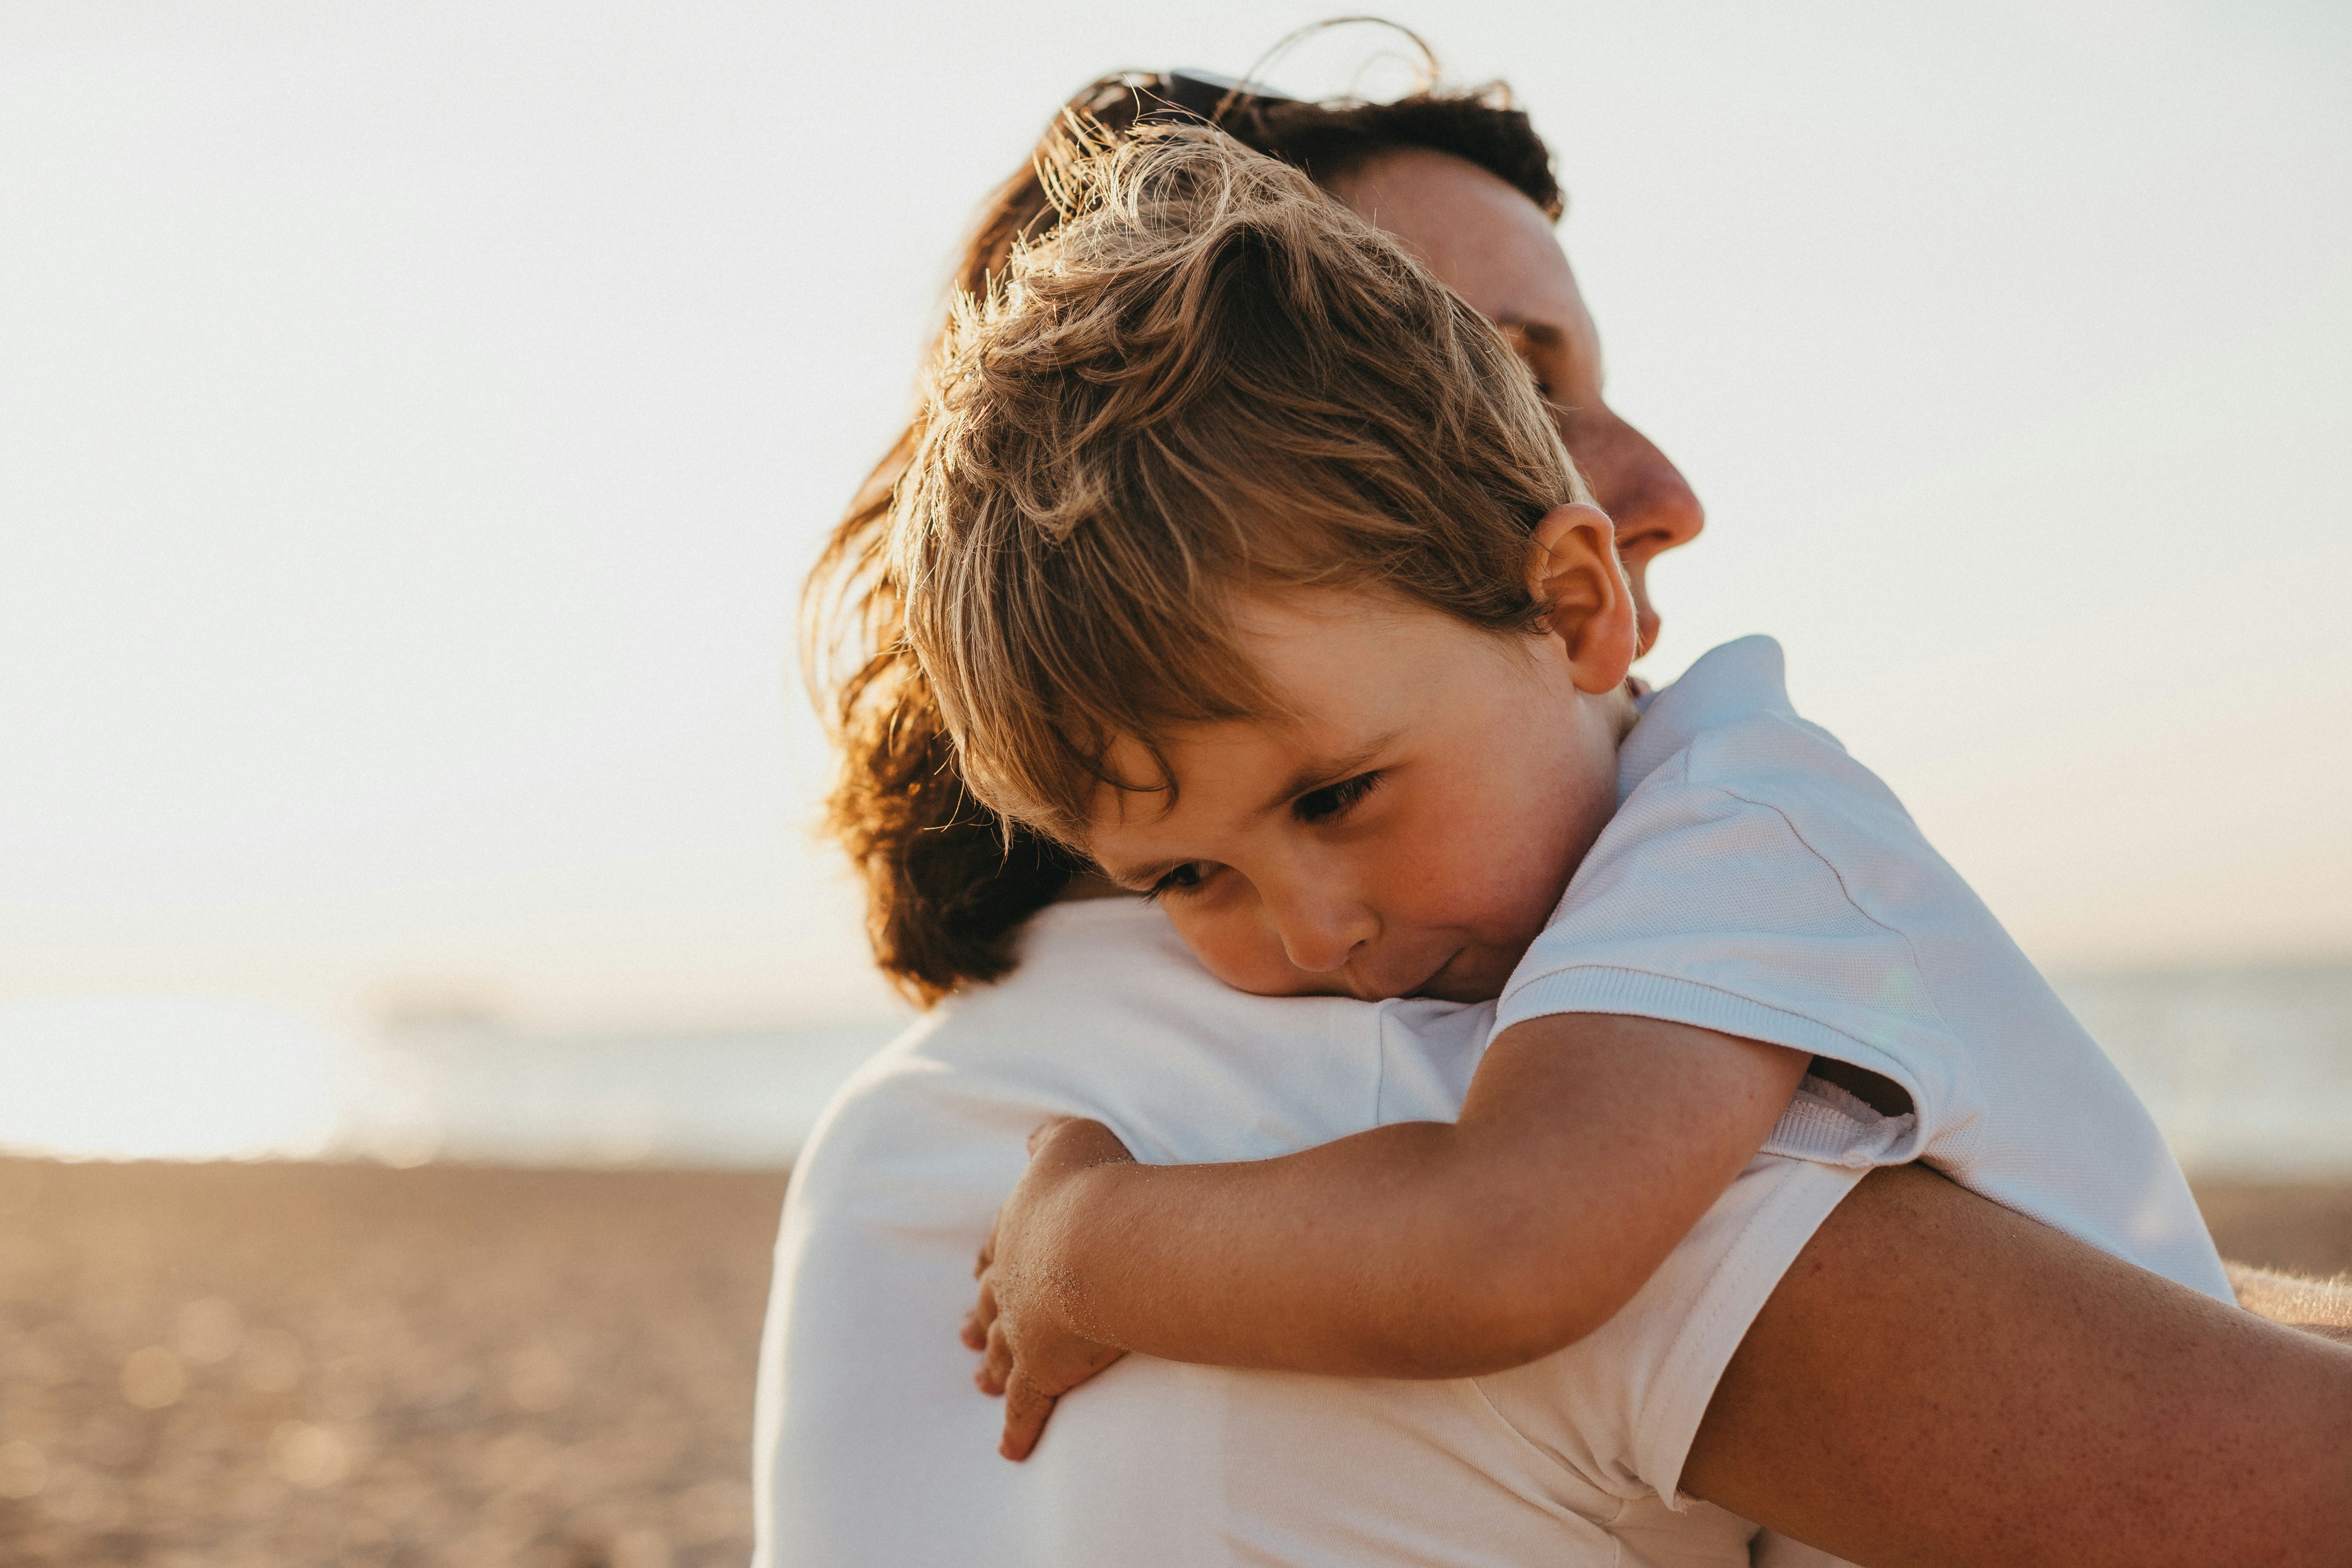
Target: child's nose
(1321, 935)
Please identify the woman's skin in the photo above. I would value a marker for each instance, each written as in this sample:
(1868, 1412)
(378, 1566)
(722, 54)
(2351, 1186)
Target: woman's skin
(1497, 249)
(1936, 1380)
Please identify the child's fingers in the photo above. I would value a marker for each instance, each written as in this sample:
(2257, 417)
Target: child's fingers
(1037, 1134)
(996, 1362)
(1026, 1411)
(979, 1320)
(987, 1253)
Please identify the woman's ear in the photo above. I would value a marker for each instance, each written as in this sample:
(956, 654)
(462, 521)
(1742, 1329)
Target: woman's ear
(1573, 566)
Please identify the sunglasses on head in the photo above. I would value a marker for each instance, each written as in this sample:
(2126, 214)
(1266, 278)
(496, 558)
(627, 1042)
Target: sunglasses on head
(1202, 96)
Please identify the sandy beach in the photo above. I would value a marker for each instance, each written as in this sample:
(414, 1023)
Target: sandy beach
(259, 1364)
(316, 1364)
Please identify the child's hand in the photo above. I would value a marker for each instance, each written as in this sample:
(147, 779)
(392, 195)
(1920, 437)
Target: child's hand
(1025, 1319)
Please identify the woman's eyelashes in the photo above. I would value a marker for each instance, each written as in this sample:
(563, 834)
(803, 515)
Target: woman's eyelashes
(1544, 351)
(1334, 799)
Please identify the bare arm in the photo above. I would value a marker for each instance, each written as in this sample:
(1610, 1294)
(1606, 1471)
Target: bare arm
(1587, 1148)
(1938, 1381)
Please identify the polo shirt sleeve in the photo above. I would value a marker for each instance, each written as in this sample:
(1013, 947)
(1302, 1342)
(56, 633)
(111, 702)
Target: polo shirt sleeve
(1707, 901)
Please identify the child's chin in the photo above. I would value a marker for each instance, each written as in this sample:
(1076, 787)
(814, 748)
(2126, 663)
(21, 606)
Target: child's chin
(1282, 980)
(1468, 974)
(1472, 974)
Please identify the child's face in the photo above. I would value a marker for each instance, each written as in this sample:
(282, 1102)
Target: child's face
(1409, 835)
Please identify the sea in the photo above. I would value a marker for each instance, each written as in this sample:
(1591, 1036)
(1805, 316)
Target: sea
(2248, 1071)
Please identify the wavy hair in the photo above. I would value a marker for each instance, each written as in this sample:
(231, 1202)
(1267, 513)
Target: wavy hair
(1212, 378)
(948, 882)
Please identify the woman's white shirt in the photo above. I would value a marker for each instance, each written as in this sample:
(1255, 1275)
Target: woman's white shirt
(872, 1448)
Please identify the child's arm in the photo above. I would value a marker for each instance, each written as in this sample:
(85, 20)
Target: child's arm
(1588, 1147)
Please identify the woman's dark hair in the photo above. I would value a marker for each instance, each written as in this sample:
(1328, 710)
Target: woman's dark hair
(948, 882)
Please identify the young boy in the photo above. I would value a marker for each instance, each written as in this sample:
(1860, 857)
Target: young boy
(1244, 559)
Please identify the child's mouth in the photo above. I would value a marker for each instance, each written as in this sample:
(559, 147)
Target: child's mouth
(1444, 981)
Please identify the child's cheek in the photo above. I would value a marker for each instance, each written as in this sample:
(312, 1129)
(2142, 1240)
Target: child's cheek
(1228, 934)
(1451, 868)
(1478, 875)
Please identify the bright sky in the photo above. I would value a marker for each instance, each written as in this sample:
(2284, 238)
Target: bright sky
(415, 417)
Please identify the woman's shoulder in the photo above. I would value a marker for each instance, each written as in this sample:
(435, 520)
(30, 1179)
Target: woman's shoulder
(1109, 1015)
(1066, 939)
(1083, 958)
(1099, 983)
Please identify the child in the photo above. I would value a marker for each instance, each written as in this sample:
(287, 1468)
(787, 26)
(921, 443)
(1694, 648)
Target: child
(1244, 559)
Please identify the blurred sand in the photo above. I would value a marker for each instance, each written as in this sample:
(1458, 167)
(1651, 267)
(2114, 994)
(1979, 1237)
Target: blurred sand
(318, 1364)
(2297, 1228)
(331, 1364)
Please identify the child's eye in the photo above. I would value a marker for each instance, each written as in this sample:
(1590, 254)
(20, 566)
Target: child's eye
(1333, 799)
(1182, 880)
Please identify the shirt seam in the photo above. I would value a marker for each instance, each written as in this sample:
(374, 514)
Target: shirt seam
(1910, 949)
(1478, 1386)
(1847, 894)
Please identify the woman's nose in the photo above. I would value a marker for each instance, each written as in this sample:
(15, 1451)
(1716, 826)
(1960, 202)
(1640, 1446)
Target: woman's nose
(1655, 509)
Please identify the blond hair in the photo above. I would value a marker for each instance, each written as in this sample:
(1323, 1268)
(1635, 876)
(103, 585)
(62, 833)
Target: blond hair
(1212, 378)
(948, 882)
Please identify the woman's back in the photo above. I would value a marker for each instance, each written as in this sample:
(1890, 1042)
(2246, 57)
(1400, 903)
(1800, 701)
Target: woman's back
(874, 1446)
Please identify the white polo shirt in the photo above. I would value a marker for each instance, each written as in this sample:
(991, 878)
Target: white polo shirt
(1758, 880)
(875, 1449)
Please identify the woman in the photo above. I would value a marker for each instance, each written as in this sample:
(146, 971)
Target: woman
(1776, 1366)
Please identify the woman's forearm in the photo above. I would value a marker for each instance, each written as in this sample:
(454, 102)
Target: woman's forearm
(1938, 1381)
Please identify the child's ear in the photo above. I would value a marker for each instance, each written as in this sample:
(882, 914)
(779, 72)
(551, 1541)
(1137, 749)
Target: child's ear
(1573, 566)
